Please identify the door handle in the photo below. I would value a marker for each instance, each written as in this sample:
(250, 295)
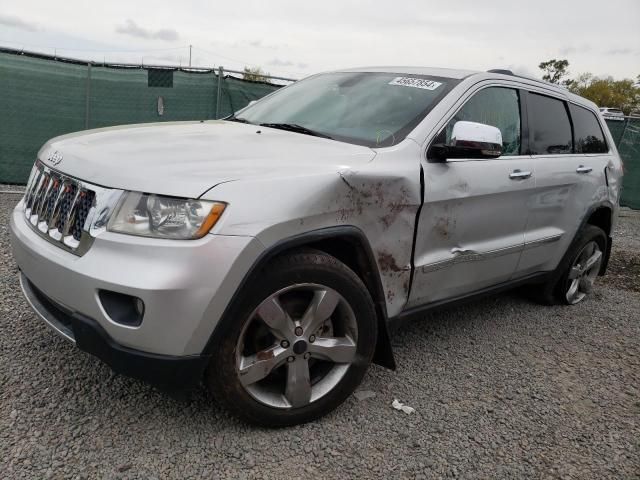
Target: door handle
(518, 174)
(583, 169)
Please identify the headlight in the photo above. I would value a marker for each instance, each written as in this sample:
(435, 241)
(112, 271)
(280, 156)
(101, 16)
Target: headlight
(164, 217)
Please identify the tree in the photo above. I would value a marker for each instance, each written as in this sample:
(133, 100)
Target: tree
(554, 70)
(607, 92)
(604, 92)
(255, 74)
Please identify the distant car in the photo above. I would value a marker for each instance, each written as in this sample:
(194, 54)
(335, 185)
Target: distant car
(612, 113)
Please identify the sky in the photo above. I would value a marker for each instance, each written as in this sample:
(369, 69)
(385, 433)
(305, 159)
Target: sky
(298, 38)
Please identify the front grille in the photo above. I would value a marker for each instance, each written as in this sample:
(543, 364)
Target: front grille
(57, 206)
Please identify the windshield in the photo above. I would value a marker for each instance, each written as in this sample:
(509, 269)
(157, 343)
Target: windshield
(371, 109)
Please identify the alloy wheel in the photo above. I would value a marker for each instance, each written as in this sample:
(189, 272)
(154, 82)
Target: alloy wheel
(297, 346)
(583, 272)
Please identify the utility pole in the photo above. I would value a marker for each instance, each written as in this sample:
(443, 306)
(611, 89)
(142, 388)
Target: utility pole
(190, 54)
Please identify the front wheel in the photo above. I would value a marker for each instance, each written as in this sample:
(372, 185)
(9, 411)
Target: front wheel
(296, 344)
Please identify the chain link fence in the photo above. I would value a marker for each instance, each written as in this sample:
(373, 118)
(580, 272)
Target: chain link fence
(42, 97)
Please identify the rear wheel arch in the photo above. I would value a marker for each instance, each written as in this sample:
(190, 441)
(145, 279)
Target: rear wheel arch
(601, 216)
(349, 245)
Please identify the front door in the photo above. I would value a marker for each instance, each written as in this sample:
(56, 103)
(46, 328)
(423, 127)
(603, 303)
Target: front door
(474, 215)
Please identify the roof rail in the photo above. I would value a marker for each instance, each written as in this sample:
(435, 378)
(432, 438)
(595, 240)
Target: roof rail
(502, 71)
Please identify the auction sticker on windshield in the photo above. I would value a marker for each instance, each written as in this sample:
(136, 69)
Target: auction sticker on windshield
(415, 82)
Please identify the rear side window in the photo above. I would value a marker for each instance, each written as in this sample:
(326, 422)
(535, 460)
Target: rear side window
(587, 131)
(550, 125)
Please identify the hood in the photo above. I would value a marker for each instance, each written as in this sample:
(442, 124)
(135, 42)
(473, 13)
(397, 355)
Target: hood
(186, 159)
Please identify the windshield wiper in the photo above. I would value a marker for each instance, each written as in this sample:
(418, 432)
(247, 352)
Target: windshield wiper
(233, 118)
(294, 127)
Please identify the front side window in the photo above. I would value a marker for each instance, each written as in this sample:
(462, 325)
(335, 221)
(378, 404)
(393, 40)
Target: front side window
(371, 109)
(495, 106)
(550, 125)
(587, 131)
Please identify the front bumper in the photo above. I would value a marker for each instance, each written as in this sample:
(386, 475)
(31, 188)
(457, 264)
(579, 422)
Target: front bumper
(185, 285)
(161, 370)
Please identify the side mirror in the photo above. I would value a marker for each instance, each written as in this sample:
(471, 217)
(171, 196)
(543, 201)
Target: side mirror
(470, 140)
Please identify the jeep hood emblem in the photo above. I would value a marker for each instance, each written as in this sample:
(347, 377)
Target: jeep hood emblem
(55, 158)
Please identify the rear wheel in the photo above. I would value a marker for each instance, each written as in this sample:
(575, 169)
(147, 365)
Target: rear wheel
(297, 343)
(583, 273)
(574, 278)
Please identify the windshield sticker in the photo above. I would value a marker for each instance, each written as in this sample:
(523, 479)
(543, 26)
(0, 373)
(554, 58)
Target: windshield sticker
(415, 83)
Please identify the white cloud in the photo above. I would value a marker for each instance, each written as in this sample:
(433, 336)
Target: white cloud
(132, 28)
(276, 62)
(623, 51)
(16, 22)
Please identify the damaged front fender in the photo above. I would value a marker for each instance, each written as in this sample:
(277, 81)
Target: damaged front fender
(379, 198)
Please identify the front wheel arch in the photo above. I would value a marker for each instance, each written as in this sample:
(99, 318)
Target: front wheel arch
(332, 241)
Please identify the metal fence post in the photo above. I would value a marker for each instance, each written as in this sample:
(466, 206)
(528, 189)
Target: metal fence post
(219, 96)
(87, 100)
(624, 129)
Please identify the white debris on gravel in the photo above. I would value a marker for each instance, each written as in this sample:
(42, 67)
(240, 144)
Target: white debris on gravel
(553, 394)
(401, 406)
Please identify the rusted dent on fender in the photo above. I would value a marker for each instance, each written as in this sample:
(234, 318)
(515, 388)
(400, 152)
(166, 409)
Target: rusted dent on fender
(392, 271)
(383, 203)
(388, 263)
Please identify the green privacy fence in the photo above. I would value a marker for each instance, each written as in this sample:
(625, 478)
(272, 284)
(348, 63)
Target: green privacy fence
(42, 97)
(626, 134)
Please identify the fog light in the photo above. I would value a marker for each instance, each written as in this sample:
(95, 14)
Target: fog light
(121, 308)
(139, 306)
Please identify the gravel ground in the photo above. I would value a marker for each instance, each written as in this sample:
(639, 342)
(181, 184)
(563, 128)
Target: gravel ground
(502, 388)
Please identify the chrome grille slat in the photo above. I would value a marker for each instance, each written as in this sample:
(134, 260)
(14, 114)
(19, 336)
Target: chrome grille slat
(68, 221)
(61, 208)
(56, 206)
(34, 196)
(34, 186)
(44, 200)
(42, 196)
(65, 207)
(49, 201)
(33, 179)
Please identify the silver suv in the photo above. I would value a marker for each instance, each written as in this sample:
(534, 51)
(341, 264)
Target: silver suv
(267, 255)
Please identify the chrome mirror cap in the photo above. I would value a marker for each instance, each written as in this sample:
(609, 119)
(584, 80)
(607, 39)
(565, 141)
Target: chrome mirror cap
(476, 139)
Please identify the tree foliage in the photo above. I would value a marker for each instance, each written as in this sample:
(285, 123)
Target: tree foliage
(255, 74)
(607, 92)
(554, 70)
(604, 92)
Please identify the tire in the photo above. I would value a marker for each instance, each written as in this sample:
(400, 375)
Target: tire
(557, 290)
(276, 327)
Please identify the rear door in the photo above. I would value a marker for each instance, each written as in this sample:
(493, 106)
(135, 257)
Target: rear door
(472, 223)
(570, 155)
